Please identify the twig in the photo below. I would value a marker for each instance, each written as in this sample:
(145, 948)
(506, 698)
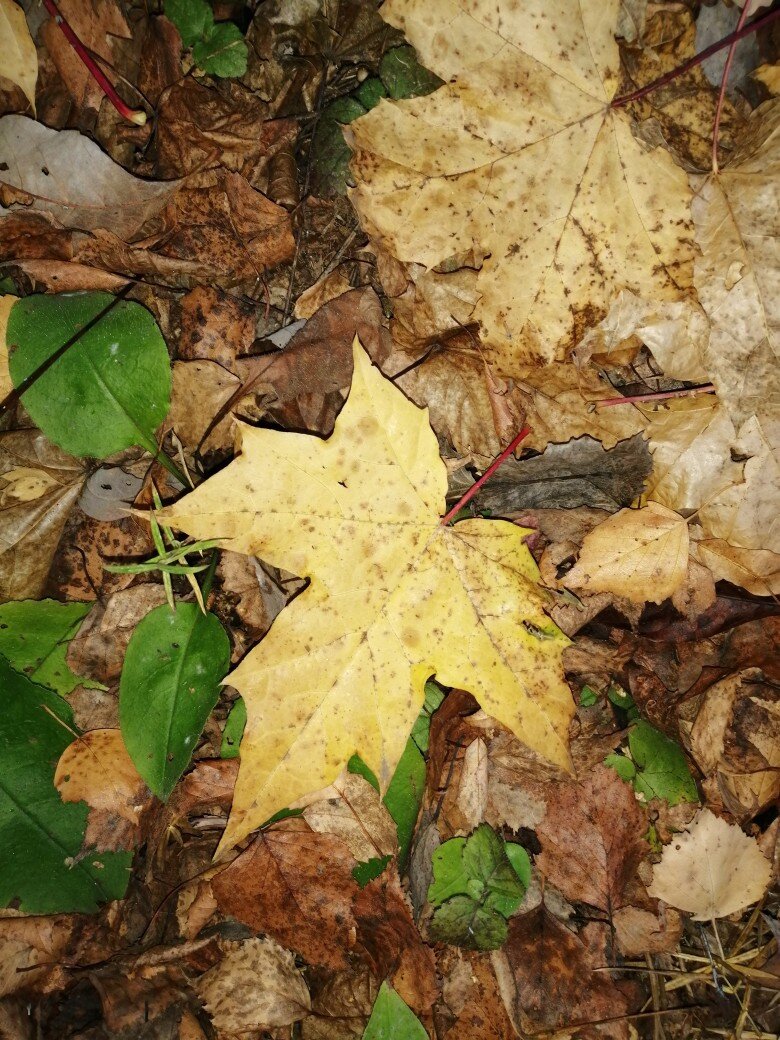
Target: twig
(464, 499)
(133, 115)
(664, 395)
(697, 59)
(723, 84)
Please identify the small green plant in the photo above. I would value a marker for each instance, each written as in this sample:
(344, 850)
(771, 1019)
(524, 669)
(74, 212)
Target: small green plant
(478, 882)
(217, 47)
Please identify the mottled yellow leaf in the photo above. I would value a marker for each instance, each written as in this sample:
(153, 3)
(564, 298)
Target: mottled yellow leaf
(712, 870)
(394, 598)
(19, 61)
(519, 157)
(641, 554)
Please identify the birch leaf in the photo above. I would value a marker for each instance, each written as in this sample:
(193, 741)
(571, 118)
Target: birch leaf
(712, 870)
(519, 157)
(394, 597)
(641, 554)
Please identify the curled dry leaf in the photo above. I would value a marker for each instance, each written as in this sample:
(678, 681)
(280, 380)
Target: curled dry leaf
(351, 810)
(641, 554)
(39, 485)
(520, 156)
(735, 740)
(711, 870)
(395, 597)
(255, 986)
(66, 176)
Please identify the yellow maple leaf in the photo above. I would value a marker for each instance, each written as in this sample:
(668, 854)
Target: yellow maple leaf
(394, 598)
(641, 554)
(519, 157)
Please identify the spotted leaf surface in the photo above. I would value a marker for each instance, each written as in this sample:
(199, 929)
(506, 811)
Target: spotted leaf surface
(394, 598)
(519, 157)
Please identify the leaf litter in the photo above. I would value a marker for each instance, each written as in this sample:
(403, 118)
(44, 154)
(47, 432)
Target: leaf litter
(504, 775)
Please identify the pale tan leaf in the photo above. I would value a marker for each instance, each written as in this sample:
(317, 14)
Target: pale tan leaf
(737, 272)
(352, 811)
(255, 985)
(641, 554)
(19, 61)
(711, 870)
(756, 570)
(519, 156)
(6, 385)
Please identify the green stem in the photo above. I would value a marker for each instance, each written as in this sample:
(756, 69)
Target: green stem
(208, 577)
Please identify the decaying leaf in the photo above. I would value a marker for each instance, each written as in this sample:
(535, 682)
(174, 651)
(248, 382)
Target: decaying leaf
(19, 63)
(394, 598)
(96, 768)
(712, 870)
(255, 985)
(519, 156)
(641, 554)
(737, 227)
(592, 839)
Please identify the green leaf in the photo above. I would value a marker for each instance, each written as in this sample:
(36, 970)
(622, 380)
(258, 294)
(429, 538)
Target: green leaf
(391, 1019)
(42, 863)
(620, 698)
(404, 796)
(478, 882)
(370, 869)
(467, 922)
(588, 697)
(662, 768)
(234, 730)
(330, 153)
(110, 390)
(169, 685)
(358, 766)
(623, 766)
(434, 695)
(193, 19)
(222, 52)
(34, 636)
(404, 76)
(370, 92)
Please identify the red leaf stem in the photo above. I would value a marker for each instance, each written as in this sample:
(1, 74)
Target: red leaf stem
(664, 395)
(133, 115)
(722, 91)
(464, 499)
(697, 59)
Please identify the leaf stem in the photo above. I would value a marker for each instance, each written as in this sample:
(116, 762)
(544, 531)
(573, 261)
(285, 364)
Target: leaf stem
(697, 59)
(133, 115)
(665, 395)
(723, 84)
(464, 499)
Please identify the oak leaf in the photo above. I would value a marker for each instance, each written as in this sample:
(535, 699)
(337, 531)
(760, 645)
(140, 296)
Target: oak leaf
(394, 598)
(519, 157)
(712, 870)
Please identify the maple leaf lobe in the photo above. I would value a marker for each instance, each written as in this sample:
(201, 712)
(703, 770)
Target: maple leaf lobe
(394, 597)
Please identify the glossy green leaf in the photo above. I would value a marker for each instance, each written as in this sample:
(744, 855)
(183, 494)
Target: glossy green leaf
(43, 867)
(330, 153)
(662, 768)
(404, 76)
(169, 685)
(110, 390)
(357, 766)
(434, 695)
(222, 51)
(391, 1019)
(193, 19)
(588, 697)
(404, 796)
(478, 882)
(234, 730)
(370, 92)
(34, 637)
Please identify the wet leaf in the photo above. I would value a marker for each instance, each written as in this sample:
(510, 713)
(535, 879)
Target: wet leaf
(234, 730)
(34, 637)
